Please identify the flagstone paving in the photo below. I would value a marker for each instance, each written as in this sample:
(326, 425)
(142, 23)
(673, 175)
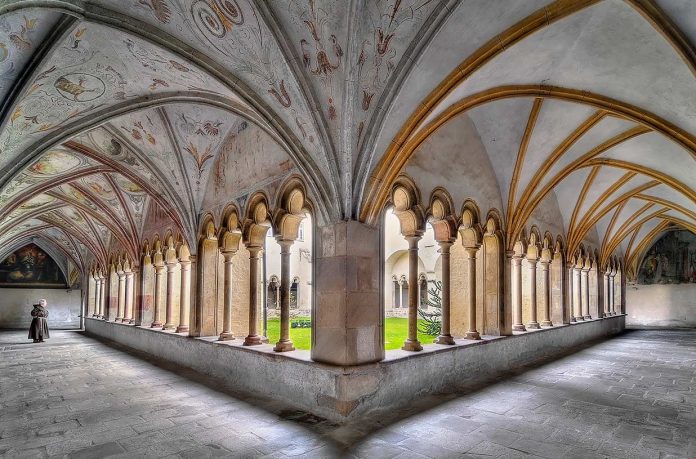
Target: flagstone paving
(633, 396)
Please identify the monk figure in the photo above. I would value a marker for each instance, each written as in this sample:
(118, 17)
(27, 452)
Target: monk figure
(38, 331)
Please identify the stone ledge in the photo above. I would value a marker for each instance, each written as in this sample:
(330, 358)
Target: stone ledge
(345, 393)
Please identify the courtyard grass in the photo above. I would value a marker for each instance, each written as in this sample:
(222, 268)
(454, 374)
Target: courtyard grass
(396, 331)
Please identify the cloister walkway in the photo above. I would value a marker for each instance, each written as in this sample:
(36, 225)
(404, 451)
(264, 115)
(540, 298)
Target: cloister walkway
(633, 396)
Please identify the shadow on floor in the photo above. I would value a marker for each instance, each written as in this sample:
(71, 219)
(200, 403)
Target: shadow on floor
(346, 435)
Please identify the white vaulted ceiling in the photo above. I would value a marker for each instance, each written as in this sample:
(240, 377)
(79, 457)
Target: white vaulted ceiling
(111, 108)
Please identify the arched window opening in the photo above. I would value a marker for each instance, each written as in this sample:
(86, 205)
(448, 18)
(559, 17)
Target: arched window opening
(397, 287)
(300, 286)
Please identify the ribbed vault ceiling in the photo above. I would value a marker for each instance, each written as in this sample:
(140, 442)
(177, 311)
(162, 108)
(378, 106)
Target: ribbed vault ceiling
(114, 110)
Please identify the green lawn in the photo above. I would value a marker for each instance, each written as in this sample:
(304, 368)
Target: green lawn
(395, 333)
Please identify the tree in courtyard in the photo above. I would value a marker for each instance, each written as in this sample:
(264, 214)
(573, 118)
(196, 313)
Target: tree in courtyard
(431, 311)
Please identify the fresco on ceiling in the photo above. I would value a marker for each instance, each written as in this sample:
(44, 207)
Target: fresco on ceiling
(21, 228)
(98, 187)
(147, 131)
(671, 260)
(135, 196)
(93, 68)
(54, 162)
(58, 236)
(388, 30)
(109, 146)
(20, 34)
(234, 34)
(237, 173)
(318, 31)
(31, 267)
(199, 131)
(34, 206)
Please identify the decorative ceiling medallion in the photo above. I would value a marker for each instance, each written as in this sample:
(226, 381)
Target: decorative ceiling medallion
(53, 163)
(80, 87)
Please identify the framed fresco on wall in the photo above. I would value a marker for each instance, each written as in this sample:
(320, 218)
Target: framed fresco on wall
(671, 260)
(31, 267)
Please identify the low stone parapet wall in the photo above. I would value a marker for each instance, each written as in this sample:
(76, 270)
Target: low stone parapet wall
(343, 393)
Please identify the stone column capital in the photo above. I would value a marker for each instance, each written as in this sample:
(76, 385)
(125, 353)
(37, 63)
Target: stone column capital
(285, 244)
(472, 250)
(413, 240)
(445, 246)
(185, 265)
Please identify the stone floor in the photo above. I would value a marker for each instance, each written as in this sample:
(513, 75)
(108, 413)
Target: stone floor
(630, 397)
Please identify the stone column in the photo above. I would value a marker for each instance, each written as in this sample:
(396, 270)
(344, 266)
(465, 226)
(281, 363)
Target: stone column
(169, 310)
(253, 338)
(185, 300)
(284, 344)
(128, 316)
(445, 333)
(102, 295)
(601, 292)
(545, 295)
(605, 300)
(585, 282)
(97, 294)
(533, 323)
(585, 289)
(472, 333)
(412, 343)
(517, 294)
(227, 299)
(121, 294)
(570, 291)
(159, 275)
(577, 294)
(612, 306)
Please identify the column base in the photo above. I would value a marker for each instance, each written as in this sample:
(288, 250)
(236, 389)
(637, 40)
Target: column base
(252, 340)
(168, 327)
(156, 325)
(588, 317)
(444, 339)
(284, 346)
(546, 323)
(182, 329)
(472, 335)
(126, 320)
(264, 340)
(412, 345)
(580, 319)
(131, 322)
(226, 336)
(533, 326)
(118, 319)
(518, 327)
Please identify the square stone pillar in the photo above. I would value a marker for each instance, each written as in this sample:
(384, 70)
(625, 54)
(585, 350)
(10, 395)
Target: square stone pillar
(347, 317)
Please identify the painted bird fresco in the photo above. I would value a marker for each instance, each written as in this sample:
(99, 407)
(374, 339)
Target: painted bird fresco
(20, 40)
(74, 89)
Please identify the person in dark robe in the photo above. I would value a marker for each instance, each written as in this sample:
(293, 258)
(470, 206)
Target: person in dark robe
(38, 331)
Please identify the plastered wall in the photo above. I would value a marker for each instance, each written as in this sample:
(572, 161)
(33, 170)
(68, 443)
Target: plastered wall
(661, 305)
(16, 304)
